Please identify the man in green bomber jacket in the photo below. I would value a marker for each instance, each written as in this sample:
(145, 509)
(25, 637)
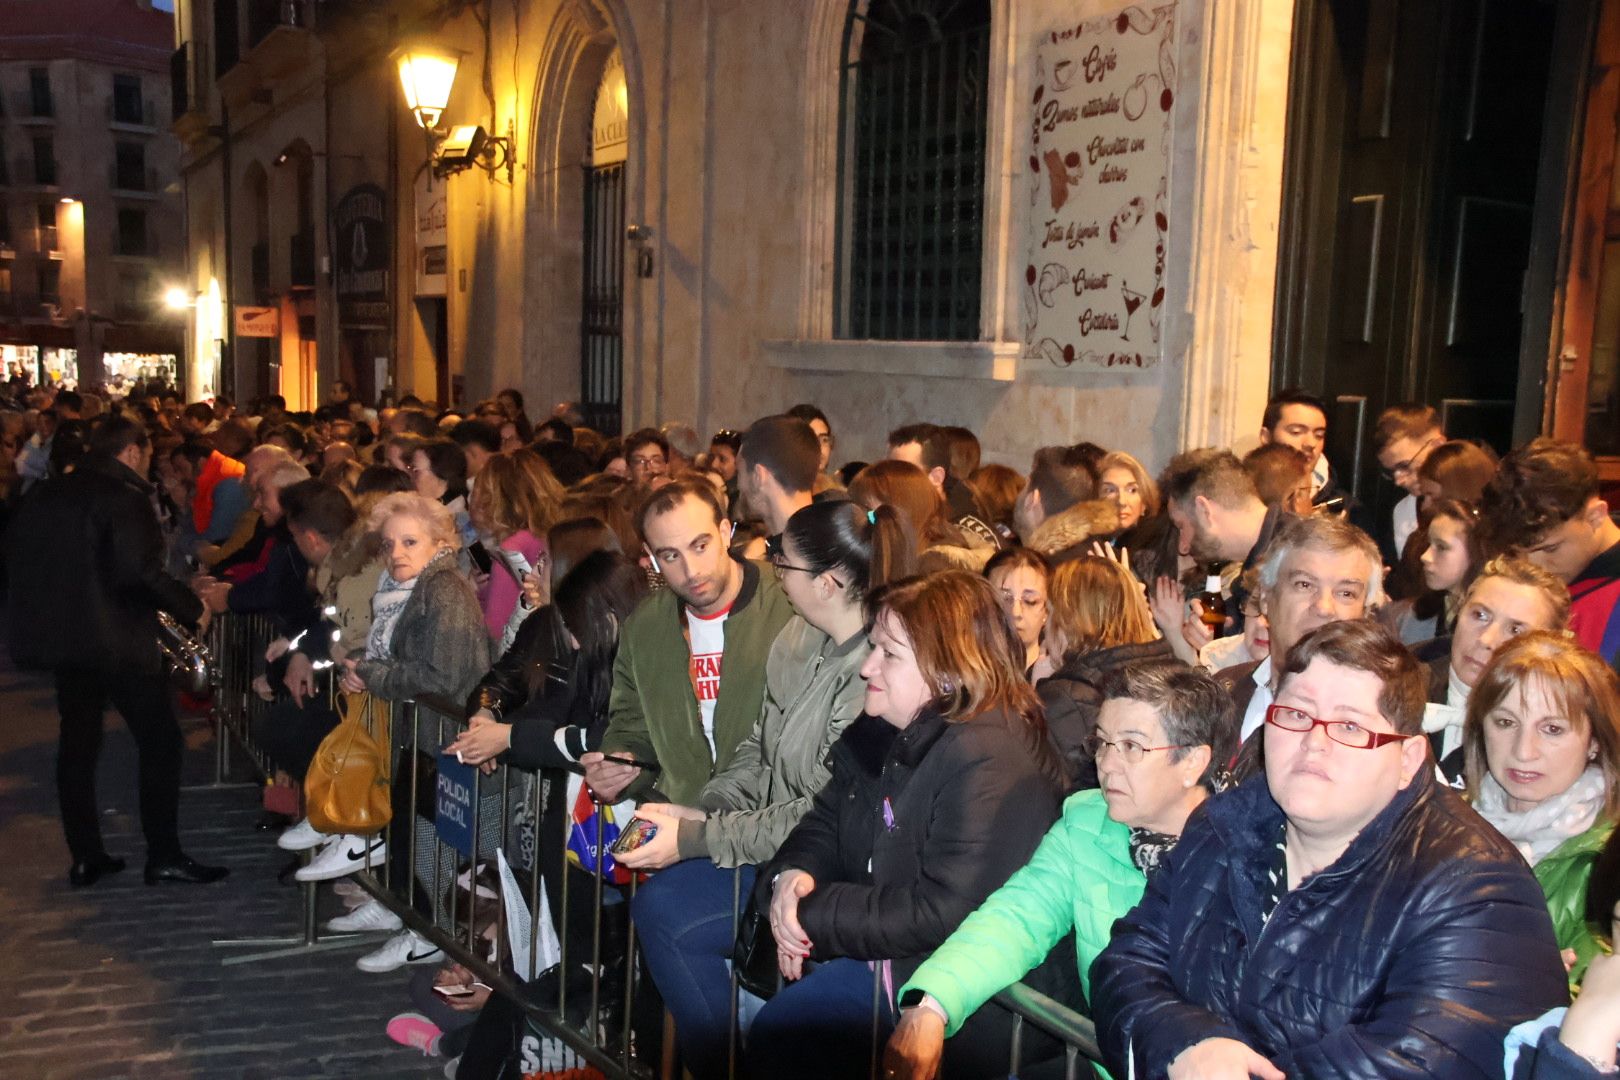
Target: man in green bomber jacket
(689, 679)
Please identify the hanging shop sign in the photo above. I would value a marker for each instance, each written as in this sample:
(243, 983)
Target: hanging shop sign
(257, 322)
(1096, 187)
(360, 244)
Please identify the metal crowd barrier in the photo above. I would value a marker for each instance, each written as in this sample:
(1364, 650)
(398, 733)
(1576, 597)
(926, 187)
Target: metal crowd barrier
(237, 644)
(607, 1039)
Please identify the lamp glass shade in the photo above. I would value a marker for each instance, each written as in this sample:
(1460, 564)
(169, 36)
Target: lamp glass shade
(427, 76)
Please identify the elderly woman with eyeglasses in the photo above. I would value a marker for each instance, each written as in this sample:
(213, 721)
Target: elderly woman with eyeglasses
(1343, 914)
(1162, 734)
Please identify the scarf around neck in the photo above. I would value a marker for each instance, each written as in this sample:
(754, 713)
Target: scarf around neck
(387, 604)
(1537, 832)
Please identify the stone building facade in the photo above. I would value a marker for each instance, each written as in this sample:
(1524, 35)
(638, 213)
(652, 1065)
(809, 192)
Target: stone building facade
(728, 264)
(90, 209)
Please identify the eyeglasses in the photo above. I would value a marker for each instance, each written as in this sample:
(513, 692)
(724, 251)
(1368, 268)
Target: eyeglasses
(656, 462)
(782, 567)
(1129, 749)
(1344, 732)
(1400, 468)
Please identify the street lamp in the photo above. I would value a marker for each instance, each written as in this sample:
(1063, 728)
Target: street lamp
(427, 74)
(176, 298)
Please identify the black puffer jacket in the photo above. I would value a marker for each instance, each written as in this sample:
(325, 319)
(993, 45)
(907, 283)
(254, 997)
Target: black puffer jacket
(915, 829)
(1411, 956)
(84, 559)
(1071, 698)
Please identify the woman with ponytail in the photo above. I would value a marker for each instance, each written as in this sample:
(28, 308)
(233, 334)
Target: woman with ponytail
(833, 555)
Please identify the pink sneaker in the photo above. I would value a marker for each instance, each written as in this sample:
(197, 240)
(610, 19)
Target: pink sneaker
(416, 1031)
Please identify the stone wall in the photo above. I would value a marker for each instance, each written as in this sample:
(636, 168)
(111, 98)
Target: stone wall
(732, 116)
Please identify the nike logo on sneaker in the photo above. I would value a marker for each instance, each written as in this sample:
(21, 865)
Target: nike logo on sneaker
(357, 853)
(413, 957)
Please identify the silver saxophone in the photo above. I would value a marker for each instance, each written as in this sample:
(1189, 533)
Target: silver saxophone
(189, 661)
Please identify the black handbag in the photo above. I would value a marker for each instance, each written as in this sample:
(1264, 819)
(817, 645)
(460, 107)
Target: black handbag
(753, 956)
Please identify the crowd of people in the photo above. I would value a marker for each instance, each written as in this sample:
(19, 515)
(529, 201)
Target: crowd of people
(1264, 784)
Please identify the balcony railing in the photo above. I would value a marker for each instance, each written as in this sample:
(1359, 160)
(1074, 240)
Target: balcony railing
(129, 178)
(138, 112)
(301, 269)
(135, 246)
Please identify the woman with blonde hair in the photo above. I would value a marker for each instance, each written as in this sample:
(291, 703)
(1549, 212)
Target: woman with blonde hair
(902, 485)
(940, 790)
(427, 638)
(1542, 761)
(1097, 622)
(514, 503)
(1144, 532)
(1125, 482)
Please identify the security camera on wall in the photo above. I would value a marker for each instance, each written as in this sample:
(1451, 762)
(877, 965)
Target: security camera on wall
(460, 149)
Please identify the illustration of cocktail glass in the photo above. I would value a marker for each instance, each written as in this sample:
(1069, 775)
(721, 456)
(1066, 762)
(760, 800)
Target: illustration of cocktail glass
(1133, 300)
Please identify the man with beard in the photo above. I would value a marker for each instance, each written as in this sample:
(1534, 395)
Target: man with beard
(689, 678)
(1217, 512)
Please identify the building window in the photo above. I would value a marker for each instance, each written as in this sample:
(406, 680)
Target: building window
(44, 160)
(129, 169)
(39, 92)
(128, 107)
(133, 302)
(50, 281)
(47, 226)
(912, 108)
(5, 226)
(132, 232)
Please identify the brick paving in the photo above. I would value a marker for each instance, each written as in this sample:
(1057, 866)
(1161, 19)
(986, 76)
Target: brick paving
(121, 980)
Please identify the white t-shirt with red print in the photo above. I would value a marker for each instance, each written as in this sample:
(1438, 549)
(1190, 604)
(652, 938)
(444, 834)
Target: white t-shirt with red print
(708, 640)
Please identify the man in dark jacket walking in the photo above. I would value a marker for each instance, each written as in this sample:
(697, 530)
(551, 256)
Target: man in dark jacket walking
(85, 561)
(1343, 915)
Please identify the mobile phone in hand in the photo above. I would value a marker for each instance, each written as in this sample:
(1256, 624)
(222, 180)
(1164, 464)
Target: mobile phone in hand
(454, 990)
(636, 834)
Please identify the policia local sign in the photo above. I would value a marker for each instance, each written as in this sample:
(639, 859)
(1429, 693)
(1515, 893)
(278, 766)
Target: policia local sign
(360, 247)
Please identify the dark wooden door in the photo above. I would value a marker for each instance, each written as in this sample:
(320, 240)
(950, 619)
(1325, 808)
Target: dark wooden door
(1410, 178)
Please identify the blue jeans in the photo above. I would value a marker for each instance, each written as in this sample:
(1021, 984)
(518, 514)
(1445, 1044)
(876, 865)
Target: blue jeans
(820, 1026)
(684, 920)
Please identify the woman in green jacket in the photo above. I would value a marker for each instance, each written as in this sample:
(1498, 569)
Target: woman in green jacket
(1542, 760)
(832, 556)
(1162, 732)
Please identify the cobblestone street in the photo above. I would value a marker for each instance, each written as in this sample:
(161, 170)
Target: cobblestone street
(123, 980)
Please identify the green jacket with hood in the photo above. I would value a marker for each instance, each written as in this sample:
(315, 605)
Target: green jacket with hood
(813, 691)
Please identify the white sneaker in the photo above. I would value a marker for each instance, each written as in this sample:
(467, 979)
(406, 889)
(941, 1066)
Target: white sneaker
(405, 947)
(369, 916)
(343, 856)
(301, 837)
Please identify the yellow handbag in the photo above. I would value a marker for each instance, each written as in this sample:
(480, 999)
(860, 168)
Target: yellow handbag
(347, 787)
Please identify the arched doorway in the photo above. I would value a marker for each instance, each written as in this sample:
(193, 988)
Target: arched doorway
(601, 377)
